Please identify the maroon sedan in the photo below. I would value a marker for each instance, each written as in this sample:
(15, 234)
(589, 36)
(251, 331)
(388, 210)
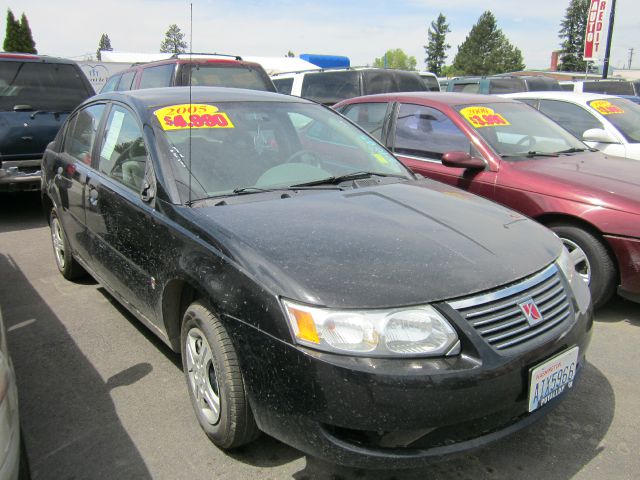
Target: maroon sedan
(510, 153)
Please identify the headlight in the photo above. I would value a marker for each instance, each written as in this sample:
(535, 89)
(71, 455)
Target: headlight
(408, 332)
(578, 285)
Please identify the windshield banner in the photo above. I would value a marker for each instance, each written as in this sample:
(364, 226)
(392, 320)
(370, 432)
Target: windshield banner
(183, 117)
(480, 117)
(606, 108)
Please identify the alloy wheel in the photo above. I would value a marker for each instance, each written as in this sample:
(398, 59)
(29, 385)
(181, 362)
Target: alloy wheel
(202, 375)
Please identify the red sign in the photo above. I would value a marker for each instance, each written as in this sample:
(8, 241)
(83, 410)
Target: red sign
(597, 26)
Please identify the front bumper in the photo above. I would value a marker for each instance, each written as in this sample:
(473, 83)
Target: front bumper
(20, 175)
(627, 252)
(387, 413)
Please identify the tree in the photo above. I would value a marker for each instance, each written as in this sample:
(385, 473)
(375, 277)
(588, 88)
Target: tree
(12, 35)
(104, 45)
(173, 41)
(486, 50)
(572, 32)
(18, 35)
(396, 59)
(436, 49)
(290, 54)
(28, 45)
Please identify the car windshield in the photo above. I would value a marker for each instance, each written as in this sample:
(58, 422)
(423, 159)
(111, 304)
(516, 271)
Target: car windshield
(246, 147)
(622, 113)
(517, 131)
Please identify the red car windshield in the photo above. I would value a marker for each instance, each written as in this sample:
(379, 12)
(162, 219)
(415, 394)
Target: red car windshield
(516, 130)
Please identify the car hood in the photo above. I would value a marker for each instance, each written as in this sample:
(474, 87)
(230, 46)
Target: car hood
(588, 177)
(391, 245)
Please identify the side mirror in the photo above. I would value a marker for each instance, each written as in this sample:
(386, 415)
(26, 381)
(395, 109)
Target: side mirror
(462, 160)
(598, 135)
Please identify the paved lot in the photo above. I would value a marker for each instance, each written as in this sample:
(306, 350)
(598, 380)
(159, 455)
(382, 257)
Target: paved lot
(102, 398)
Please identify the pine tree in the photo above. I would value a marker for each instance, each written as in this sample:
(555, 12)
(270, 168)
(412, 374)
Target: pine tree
(486, 50)
(103, 45)
(396, 59)
(436, 49)
(173, 41)
(12, 35)
(572, 32)
(26, 38)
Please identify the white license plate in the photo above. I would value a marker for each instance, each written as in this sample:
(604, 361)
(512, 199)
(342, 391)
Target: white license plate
(551, 378)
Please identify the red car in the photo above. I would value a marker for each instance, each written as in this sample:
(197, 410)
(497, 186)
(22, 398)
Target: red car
(510, 153)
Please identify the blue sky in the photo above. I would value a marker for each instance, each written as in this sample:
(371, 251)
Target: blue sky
(361, 30)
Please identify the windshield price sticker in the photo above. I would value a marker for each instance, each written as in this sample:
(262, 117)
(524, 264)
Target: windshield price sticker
(480, 117)
(551, 378)
(606, 108)
(181, 117)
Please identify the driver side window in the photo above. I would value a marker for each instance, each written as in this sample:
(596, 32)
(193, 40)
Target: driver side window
(123, 155)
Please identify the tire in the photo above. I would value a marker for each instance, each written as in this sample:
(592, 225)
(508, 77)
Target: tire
(593, 261)
(67, 265)
(214, 379)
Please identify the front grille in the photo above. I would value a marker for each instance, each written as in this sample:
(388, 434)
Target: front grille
(498, 318)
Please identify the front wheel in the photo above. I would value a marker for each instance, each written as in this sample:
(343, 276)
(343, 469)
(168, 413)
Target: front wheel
(591, 260)
(214, 379)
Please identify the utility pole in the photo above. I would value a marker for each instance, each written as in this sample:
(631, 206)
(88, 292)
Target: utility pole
(630, 57)
(605, 69)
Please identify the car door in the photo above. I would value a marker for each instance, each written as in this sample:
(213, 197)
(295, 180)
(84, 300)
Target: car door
(420, 135)
(122, 231)
(74, 171)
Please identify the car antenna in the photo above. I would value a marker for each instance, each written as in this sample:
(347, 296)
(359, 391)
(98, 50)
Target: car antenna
(190, 106)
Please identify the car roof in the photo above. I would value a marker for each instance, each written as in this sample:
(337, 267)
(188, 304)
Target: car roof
(576, 97)
(150, 97)
(447, 98)
(28, 57)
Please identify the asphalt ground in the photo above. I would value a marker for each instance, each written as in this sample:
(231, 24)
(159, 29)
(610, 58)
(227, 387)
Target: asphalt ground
(102, 398)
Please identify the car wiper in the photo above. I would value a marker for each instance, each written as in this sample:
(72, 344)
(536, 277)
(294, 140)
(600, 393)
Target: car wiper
(574, 150)
(531, 154)
(343, 178)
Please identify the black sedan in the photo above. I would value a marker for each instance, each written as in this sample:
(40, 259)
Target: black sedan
(316, 289)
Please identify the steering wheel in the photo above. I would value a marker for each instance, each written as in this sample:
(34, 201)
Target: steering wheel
(304, 156)
(527, 138)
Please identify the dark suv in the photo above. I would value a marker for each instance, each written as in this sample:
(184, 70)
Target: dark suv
(213, 70)
(36, 95)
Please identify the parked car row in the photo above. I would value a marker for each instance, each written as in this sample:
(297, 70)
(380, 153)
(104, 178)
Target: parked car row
(318, 287)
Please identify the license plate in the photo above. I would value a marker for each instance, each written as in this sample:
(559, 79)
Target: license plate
(551, 378)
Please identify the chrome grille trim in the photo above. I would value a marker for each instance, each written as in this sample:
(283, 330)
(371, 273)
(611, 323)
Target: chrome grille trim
(498, 318)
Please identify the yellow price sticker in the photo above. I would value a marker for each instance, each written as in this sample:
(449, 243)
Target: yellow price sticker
(181, 117)
(606, 108)
(381, 159)
(480, 117)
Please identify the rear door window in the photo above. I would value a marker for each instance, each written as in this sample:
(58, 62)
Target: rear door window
(159, 76)
(386, 81)
(466, 87)
(283, 85)
(572, 117)
(43, 86)
(81, 133)
(370, 116)
(111, 84)
(427, 132)
(609, 87)
(126, 81)
(505, 85)
(331, 87)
